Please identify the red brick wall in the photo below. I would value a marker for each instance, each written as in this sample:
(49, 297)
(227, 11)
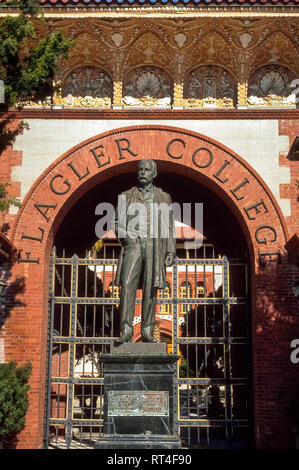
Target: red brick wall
(8, 159)
(290, 127)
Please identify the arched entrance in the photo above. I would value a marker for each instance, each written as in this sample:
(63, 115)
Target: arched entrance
(256, 217)
(202, 315)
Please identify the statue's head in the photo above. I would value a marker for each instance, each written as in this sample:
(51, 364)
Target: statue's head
(147, 171)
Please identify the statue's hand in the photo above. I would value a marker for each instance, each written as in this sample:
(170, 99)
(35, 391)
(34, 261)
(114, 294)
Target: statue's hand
(170, 259)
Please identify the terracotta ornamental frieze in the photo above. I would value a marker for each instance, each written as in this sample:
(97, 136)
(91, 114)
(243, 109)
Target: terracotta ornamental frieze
(176, 63)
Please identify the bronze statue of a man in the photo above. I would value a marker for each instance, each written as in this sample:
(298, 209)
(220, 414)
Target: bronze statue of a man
(148, 247)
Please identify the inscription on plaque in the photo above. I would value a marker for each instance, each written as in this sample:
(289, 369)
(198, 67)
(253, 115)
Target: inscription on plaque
(139, 403)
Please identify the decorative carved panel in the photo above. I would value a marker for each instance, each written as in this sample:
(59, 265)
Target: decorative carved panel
(211, 49)
(277, 48)
(147, 86)
(209, 85)
(88, 81)
(270, 85)
(148, 49)
(88, 87)
(88, 50)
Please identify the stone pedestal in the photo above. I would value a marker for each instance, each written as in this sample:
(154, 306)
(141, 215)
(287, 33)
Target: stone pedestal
(138, 398)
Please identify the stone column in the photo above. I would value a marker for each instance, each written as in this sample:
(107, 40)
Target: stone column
(179, 82)
(242, 95)
(117, 94)
(178, 95)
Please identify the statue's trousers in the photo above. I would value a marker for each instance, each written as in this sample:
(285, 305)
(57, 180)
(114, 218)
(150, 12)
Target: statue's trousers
(138, 258)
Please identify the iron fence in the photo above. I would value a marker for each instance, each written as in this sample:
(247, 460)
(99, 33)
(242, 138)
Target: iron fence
(205, 321)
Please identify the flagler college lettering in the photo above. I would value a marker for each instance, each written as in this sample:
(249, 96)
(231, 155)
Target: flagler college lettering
(201, 158)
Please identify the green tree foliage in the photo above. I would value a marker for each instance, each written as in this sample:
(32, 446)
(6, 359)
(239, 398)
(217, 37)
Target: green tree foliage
(13, 398)
(5, 200)
(27, 63)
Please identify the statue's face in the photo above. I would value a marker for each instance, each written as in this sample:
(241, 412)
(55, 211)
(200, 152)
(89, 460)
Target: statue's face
(145, 173)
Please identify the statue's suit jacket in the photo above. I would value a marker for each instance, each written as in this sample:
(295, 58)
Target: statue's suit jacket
(161, 244)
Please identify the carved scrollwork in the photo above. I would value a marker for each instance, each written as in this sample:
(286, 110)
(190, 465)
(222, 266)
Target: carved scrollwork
(209, 85)
(147, 86)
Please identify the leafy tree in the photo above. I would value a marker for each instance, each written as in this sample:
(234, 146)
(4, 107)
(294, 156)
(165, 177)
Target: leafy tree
(13, 399)
(6, 200)
(27, 63)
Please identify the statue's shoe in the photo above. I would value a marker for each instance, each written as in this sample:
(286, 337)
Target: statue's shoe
(124, 339)
(149, 339)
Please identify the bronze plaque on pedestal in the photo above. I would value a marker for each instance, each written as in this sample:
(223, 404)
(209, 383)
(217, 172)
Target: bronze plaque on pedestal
(138, 403)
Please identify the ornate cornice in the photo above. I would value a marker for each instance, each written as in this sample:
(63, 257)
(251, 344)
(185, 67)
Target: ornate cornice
(154, 114)
(171, 11)
(175, 61)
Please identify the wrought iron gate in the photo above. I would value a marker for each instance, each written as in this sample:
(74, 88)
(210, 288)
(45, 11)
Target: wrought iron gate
(204, 313)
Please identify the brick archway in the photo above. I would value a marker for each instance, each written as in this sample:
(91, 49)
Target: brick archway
(98, 159)
(177, 150)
